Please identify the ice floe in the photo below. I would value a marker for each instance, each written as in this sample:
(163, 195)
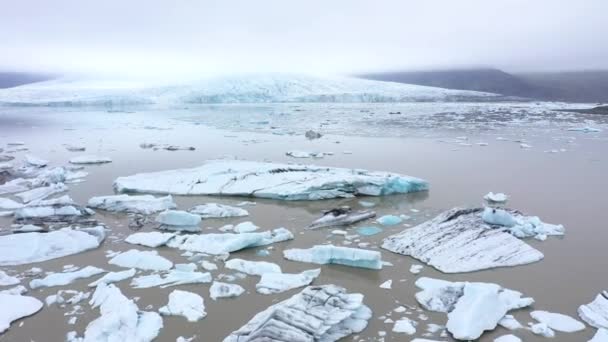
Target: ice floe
(7, 280)
(144, 260)
(507, 338)
(184, 303)
(329, 254)
(16, 306)
(270, 180)
(498, 197)
(178, 220)
(245, 227)
(304, 154)
(405, 325)
(179, 276)
(90, 160)
(113, 277)
(65, 278)
(271, 283)
(389, 220)
(217, 244)
(149, 239)
(8, 204)
(41, 192)
(596, 312)
(62, 209)
(458, 240)
(214, 210)
(600, 336)
(558, 322)
(342, 216)
(143, 204)
(257, 268)
(318, 313)
(18, 249)
(472, 308)
(225, 290)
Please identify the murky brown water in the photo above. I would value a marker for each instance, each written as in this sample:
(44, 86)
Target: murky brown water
(567, 188)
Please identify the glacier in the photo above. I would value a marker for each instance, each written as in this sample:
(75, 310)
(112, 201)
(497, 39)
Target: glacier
(330, 254)
(270, 180)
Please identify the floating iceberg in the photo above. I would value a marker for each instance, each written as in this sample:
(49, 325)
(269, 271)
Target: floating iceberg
(90, 160)
(596, 312)
(113, 277)
(245, 227)
(41, 192)
(178, 218)
(65, 278)
(19, 249)
(16, 306)
(405, 326)
(472, 308)
(389, 220)
(35, 161)
(270, 180)
(62, 209)
(318, 313)
(6, 280)
(507, 338)
(217, 244)
(600, 336)
(184, 303)
(329, 254)
(342, 216)
(144, 204)
(303, 154)
(149, 239)
(144, 260)
(225, 290)
(271, 283)
(120, 318)
(498, 197)
(214, 210)
(257, 268)
(458, 240)
(172, 278)
(558, 321)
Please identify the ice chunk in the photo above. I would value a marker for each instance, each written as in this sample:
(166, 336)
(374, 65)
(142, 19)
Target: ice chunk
(113, 277)
(270, 180)
(120, 318)
(405, 325)
(178, 218)
(600, 336)
(19, 249)
(245, 227)
(329, 254)
(225, 290)
(149, 239)
(75, 148)
(509, 322)
(304, 154)
(415, 269)
(16, 306)
(507, 338)
(318, 313)
(171, 278)
(389, 220)
(387, 284)
(41, 192)
(458, 240)
(29, 228)
(557, 321)
(90, 160)
(12, 186)
(8, 204)
(184, 303)
(144, 204)
(65, 278)
(498, 197)
(498, 217)
(257, 268)
(542, 329)
(35, 161)
(214, 210)
(271, 283)
(472, 307)
(62, 209)
(145, 260)
(6, 280)
(218, 244)
(342, 216)
(596, 312)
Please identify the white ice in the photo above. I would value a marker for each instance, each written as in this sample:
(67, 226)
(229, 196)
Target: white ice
(149, 239)
(14, 307)
(218, 244)
(405, 325)
(142, 204)
(184, 303)
(498, 197)
(41, 192)
(9, 204)
(600, 336)
(272, 283)
(113, 277)
(330, 254)
(178, 218)
(65, 278)
(596, 312)
(507, 338)
(245, 227)
(90, 160)
(172, 278)
(144, 260)
(225, 290)
(214, 210)
(35, 161)
(557, 321)
(7, 280)
(257, 268)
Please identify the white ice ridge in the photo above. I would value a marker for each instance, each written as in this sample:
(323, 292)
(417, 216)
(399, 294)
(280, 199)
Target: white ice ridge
(143, 204)
(150, 239)
(16, 306)
(472, 308)
(225, 290)
(19, 249)
(271, 283)
(330, 254)
(243, 88)
(144, 260)
(184, 303)
(226, 243)
(596, 312)
(257, 268)
(65, 278)
(318, 313)
(458, 240)
(90, 160)
(182, 274)
(120, 319)
(270, 180)
(214, 210)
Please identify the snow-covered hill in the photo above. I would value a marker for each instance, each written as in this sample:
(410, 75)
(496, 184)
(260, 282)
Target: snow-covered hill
(273, 88)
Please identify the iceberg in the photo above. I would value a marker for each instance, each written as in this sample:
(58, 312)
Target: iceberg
(113, 277)
(90, 160)
(65, 278)
(472, 308)
(558, 322)
(458, 240)
(318, 313)
(6, 280)
(16, 306)
(507, 338)
(225, 290)
(303, 154)
(600, 336)
(171, 278)
(178, 218)
(41, 192)
(62, 209)
(330, 254)
(245, 227)
(184, 303)
(8, 204)
(35, 161)
(272, 283)
(120, 318)
(342, 216)
(498, 197)
(389, 220)
(149, 239)
(256, 268)
(214, 210)
(19, 249)
(405, 326)
(144, 260)
(144, 204)
(270, 180)
(596, 312)
(218, 244)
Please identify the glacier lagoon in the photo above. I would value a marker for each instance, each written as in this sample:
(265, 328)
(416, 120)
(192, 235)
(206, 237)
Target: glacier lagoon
(464, 150)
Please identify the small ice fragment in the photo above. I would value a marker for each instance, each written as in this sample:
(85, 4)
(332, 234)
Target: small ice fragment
(209, 266)
(329, 254)
(90, 160)
(214, 210)
(387, 284)
(178, 276)
(6, 280)
(369, 231)
(178, 218)
(149, 239)
(542, 329)
(245, 227)
(509, 322)
(507, 338)
(187, 304)
(113, 277)
(272, 283)
(558, 322)
(498, 197)
(225, 290)
(405, 325)
(415, 269)
(389, 220)
(145, 260)
(16, 306)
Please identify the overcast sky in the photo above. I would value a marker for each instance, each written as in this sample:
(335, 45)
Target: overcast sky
(329, 36)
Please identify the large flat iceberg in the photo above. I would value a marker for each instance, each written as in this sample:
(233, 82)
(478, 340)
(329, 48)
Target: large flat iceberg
(270, 180)
(329, 254)
(144, 204)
